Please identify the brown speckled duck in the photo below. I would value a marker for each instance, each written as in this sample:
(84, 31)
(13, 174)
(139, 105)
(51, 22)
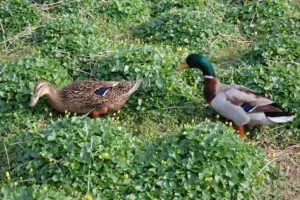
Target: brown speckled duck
(88, 96)
(237, 103)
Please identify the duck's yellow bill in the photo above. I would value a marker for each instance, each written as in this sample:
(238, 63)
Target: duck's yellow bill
(182, 66)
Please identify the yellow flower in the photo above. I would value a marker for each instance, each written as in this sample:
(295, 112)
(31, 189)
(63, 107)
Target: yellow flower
(105, 155)
(201, 135)
(217, 116)
(171, 87)
(114, 181)
(210, 173)
(72, 164)
(124, 159)
(210, 178)
(125, 176)
(163, 162)
(15, 183)
(42, 154)
(151, 37)
(34, 125)
(255, 33)
(88, 197)
(247, 133)
(271, 52)
(154, 198)
(206, 179)
(50, 159)
(31, 170)
(189, 186)
(6, 101)
(7, 174)
(226, 123)
(119, 111)
(230, 123)
(254, 180)
(208, 187)
(193, 121)
(21, 178)
(55, 179)
(32, 28)
(66, 111)
(50, 114)
(75, 114)
(45, 188)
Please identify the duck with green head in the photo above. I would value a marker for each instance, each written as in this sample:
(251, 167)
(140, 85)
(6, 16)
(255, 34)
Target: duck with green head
(237, 103)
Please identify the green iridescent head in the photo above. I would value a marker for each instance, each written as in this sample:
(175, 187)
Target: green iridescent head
(200, 62)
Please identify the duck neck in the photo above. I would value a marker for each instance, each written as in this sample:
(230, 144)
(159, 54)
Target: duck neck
(206, 67)
(54, 97)
(210, 85)
(208, 71)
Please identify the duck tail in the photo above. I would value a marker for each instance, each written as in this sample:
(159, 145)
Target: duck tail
(279, 117)
(136, 85)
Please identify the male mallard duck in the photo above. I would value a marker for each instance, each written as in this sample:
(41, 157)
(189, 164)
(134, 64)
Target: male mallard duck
(95, 97)
(237, 103)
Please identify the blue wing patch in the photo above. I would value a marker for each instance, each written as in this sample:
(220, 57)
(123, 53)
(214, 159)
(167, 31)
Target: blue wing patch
(101, 91)
(247, 107)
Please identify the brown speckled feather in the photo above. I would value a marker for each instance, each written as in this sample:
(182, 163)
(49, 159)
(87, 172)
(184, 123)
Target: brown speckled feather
(80, 97)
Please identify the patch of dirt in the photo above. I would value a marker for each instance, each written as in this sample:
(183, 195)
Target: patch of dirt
(288, 161)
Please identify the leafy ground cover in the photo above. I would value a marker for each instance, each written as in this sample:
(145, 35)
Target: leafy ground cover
(166, 143)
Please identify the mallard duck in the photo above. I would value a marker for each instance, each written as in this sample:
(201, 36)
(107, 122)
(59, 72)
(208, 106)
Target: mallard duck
(234, 102)
(89, 96)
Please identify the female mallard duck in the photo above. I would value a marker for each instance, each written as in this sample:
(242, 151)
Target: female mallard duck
(95, 97)
(237, 103)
